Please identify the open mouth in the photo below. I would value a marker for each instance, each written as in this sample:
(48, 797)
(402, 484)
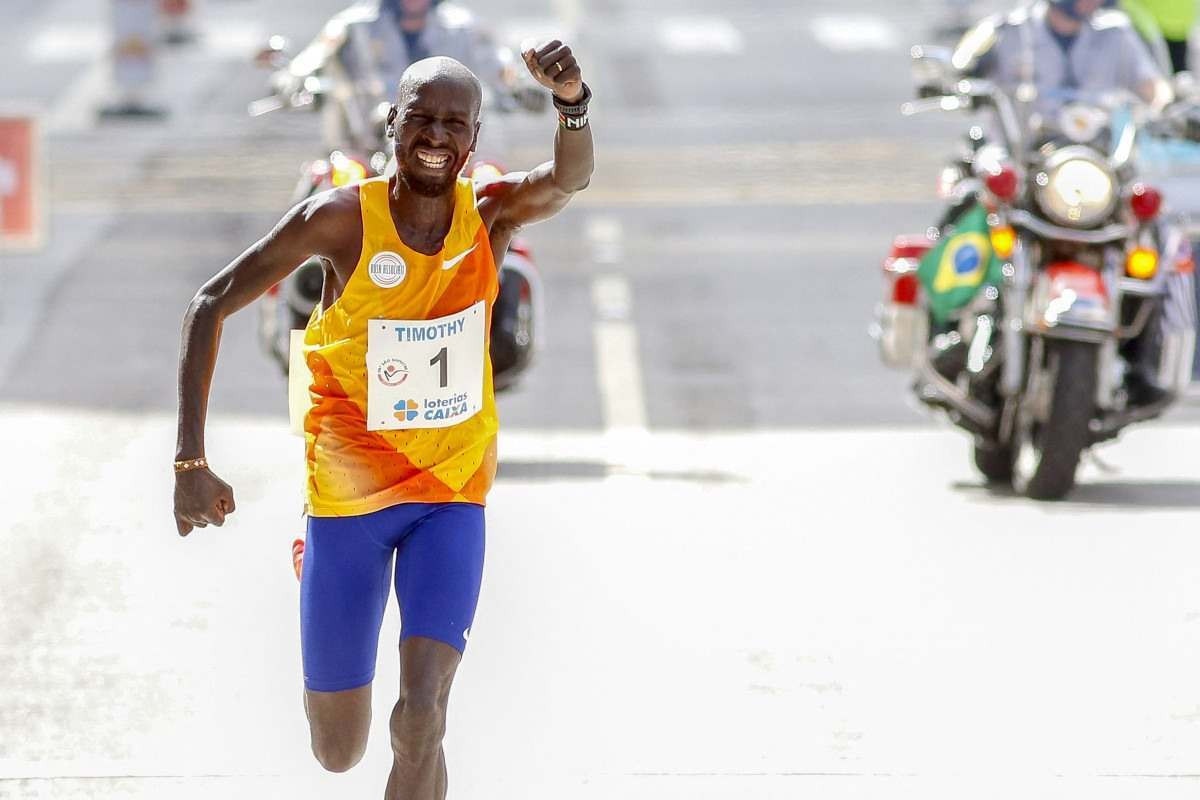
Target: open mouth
(433, 159)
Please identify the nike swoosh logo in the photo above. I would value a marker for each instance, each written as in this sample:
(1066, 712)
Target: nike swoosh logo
(451, 263)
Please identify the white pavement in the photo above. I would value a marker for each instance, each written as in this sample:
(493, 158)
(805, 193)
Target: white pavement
(754, 615)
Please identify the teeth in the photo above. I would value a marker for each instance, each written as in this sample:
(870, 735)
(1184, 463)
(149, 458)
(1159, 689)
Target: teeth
(433, 161)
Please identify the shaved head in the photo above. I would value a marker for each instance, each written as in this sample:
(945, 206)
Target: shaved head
(439, 70)
(435, 124)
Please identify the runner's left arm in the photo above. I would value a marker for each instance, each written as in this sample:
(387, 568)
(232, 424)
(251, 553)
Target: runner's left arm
(544, 191)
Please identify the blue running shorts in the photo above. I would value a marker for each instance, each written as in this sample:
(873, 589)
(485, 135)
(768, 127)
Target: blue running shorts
(345, 583)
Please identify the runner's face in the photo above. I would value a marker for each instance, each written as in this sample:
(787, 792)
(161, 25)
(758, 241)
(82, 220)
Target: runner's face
(435, 133)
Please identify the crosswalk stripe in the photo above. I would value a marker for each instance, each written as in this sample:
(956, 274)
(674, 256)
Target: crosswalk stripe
(68, 43)
(855, 32)
(619, 373)
(704, 35)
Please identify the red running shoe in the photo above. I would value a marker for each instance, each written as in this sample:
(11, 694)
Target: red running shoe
(298, 557)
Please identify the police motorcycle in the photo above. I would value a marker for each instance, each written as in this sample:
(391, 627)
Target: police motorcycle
(315, 80)
(1088, 324)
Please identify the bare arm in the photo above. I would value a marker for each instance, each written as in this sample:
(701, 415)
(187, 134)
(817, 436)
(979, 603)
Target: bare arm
(308, 229)
(1146, 80)
(546, 190)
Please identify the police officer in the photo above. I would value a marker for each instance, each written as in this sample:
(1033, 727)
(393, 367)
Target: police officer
(1067, 45)
(365, 49)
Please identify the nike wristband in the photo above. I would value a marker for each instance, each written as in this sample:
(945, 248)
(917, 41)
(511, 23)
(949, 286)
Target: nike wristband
(578, 108)
(574, 116)
(575, 123)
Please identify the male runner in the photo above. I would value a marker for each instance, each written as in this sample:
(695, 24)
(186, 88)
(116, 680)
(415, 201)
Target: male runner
(401, 432)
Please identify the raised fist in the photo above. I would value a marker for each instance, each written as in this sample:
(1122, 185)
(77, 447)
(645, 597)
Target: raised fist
(553, 66)
(201, 499)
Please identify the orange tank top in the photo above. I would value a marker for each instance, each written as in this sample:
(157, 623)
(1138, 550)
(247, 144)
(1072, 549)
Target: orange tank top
(353, 470)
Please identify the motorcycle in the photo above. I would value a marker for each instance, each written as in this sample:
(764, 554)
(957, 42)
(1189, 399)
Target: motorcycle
(1089, 324)
(287, 306)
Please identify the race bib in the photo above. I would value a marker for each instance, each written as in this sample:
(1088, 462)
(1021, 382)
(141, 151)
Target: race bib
(425, 373)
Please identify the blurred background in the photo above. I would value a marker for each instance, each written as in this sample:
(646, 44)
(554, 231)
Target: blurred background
(728, 557)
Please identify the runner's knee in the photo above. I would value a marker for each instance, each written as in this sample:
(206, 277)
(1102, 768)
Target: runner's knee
(339, 724)
(418, 721)
(338, 753)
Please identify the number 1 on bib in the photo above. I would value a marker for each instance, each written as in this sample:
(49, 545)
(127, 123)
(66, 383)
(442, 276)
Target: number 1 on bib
(440, 359)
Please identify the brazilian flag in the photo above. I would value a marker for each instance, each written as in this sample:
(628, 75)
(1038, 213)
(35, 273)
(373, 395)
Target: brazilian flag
(953, 271)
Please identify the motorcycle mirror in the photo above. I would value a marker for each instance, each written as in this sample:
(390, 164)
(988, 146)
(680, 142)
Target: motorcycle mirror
(274, 54)
(931, 69)
(930, 52)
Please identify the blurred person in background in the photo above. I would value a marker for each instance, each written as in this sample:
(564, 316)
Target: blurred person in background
(404, 480)
(366, 48)
(1169, 20)
(1065, 45)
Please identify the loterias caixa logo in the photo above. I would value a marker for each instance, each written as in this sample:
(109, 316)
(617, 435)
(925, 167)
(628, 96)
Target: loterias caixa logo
(407, 410)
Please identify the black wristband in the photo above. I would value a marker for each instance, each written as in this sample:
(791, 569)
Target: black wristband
(578, 108)
(576, 122)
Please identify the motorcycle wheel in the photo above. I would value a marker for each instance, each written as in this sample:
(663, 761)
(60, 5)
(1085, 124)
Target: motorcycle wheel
(994, 462)
(1046, 451)
(512, 331)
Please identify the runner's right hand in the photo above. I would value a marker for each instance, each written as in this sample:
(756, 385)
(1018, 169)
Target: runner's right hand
(201, 499)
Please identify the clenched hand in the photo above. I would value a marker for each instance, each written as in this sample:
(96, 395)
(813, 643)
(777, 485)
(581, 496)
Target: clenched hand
(201, 499)
(554, 67)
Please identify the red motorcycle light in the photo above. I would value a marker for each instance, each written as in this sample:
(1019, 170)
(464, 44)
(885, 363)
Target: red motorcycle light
(910, 246)
(1145, 201)
(1002, 182)
(486, 170)
(905, 289)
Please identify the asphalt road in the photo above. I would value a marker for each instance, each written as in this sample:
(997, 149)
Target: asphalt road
(727, 558)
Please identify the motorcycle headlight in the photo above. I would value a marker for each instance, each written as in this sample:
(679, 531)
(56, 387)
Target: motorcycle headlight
(1075, 188)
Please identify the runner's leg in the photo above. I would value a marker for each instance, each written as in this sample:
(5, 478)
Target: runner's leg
(338, 724)
(439, 567)
(343, 593)
(418, 721)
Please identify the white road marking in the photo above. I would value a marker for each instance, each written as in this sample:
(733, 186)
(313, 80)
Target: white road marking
(569, 12)
(618, 371)
(527, 31)
(68, 43)
(223, 39)
(229, 39)
(849, 33)
(700, 35)
(605, 239)
(75, 109)
(522, 32)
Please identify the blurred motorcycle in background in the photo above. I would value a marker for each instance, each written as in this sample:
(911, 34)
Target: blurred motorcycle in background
(354, 111)
(1054, 306)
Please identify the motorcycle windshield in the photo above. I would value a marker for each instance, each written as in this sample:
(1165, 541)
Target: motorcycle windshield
(1105, 121)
